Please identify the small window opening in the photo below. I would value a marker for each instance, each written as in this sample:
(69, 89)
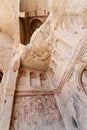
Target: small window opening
(35, 24)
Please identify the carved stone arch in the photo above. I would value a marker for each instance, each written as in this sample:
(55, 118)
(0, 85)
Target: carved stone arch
(35, 23)
(82, 78)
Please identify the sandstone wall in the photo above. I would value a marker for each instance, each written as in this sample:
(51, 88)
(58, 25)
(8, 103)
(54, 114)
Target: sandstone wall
(6, 18)
(31, 5)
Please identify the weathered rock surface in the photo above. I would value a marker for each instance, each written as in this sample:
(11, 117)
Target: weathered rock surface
(44, 83)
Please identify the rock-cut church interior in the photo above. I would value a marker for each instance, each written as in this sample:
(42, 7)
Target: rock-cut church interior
(43, 65)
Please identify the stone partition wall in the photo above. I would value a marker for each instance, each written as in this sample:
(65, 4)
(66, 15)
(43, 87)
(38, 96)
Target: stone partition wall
(34, 7)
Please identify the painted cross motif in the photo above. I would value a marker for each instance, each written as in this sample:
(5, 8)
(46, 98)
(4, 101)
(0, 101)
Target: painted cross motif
(43, 76)
(22, 73)
(33, 75)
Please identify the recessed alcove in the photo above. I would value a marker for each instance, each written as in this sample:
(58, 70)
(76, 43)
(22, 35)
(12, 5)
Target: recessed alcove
(24, 33)
(35, 24)
(1, 76)
(28, 25)
(84, 79)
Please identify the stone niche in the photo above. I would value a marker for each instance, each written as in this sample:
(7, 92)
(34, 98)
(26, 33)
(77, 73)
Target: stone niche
(84, 79)
(1, 76)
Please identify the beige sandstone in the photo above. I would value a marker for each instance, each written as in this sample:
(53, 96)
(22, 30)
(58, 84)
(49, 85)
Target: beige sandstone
(43, 65)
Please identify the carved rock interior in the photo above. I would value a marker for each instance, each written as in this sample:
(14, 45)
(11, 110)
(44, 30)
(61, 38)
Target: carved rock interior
(43, 65)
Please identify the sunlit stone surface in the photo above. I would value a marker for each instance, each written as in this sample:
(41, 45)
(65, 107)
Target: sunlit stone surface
(43, 64)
